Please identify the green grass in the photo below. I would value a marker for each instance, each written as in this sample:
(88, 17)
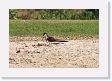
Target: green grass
(62, 28)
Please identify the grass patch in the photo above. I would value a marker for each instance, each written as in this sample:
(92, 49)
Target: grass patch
(61, 28)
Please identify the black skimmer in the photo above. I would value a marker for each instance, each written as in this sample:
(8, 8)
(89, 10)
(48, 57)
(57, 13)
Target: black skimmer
(51, 39)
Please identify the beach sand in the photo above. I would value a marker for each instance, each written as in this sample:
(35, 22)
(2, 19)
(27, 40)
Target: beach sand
(79, 53)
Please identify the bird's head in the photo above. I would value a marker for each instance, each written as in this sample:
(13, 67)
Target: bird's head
(44, 34)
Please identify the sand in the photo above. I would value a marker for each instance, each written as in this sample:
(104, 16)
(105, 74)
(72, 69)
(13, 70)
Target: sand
(82, 53)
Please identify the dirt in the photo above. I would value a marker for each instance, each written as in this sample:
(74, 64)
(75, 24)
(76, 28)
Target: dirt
(77, 53)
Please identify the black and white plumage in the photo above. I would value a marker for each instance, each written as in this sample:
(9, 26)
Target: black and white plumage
(51, 39)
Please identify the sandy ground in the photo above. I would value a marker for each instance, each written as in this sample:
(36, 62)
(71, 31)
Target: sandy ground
(39, 54)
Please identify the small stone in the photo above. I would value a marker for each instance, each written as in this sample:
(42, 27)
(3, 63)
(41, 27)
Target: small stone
(38, 52)
(33, 45)
(26, 46)
(18, 51)
(39, 44)
(60, 58)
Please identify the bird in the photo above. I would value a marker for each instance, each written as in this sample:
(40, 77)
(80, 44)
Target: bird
(51, 39)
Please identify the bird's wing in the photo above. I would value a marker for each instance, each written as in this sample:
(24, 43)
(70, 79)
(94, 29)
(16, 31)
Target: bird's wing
(60, 40)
